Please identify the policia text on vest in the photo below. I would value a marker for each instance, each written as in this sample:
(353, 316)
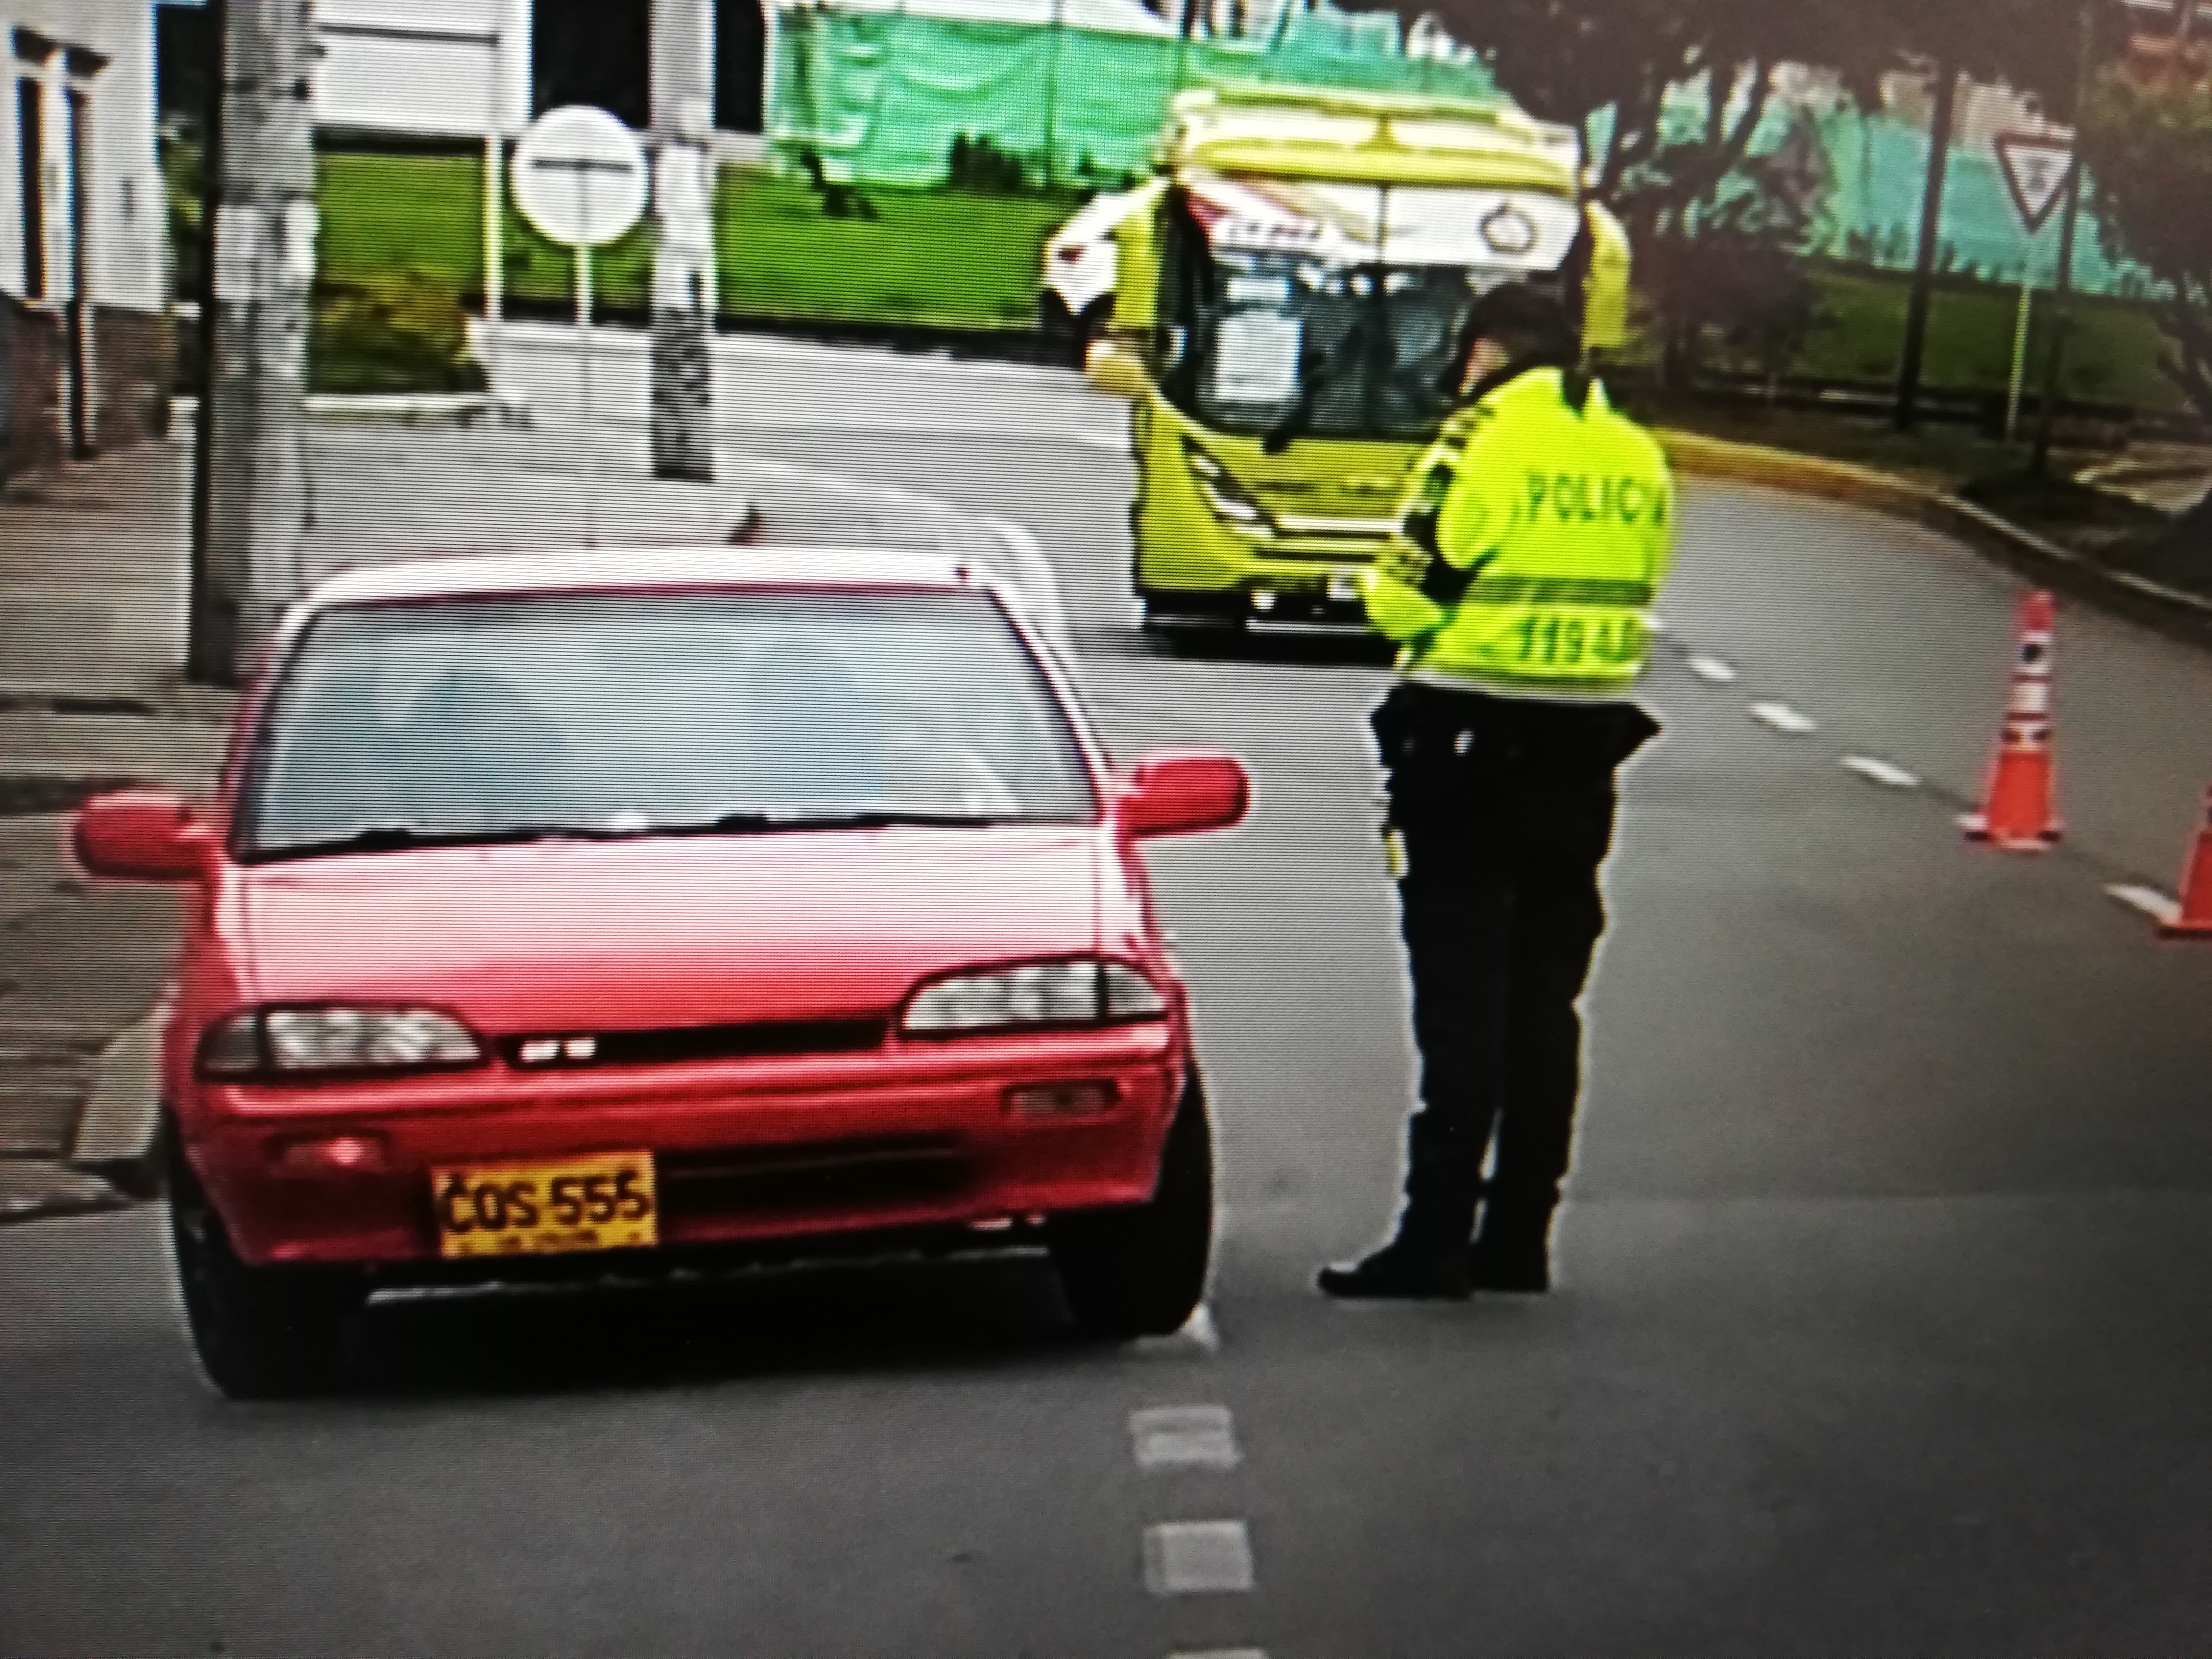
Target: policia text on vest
(1536, 534)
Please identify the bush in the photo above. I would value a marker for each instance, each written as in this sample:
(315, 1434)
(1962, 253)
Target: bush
(978, 164)
(396, 333)
(1750, 296)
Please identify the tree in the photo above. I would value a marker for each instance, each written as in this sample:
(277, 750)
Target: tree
(1737, 274)
(2148, 142)
(1606, 67)
(2148, 145)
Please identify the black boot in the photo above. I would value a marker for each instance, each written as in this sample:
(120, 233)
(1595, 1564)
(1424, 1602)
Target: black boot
(1404, 1269)
(1512, 1254)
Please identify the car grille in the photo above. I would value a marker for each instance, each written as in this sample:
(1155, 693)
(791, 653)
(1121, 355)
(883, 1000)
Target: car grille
(810, 1176)
(757, 1039)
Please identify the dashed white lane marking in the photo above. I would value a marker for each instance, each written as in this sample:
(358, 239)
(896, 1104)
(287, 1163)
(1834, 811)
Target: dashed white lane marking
(1712, 670)
(1198, 1557)
(1660, 624)
(1782, 718)
(2153, 903)
(1183, 1438)
(1223, 1653)
(1881, 772)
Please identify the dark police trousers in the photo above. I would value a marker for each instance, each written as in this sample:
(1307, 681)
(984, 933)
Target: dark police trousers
(1506, 811)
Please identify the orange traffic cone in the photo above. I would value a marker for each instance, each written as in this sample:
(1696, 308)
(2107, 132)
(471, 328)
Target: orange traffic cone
(2194, 919)
(2017, 813)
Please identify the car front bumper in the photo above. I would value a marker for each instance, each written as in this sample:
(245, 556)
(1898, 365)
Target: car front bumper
(918, 1135)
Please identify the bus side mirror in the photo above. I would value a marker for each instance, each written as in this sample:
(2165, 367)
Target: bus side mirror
(1113, 369)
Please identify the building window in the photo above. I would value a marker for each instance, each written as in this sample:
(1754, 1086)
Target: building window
(593, 51)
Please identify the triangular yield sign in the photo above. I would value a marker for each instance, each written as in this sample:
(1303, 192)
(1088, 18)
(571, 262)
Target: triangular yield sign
(2036, 169)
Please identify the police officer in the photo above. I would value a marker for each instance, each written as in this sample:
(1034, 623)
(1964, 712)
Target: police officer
(1534, 538)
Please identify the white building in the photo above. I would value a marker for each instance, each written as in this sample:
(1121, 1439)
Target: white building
(83, 341)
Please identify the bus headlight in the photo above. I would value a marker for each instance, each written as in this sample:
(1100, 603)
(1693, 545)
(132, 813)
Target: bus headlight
(1223, 494)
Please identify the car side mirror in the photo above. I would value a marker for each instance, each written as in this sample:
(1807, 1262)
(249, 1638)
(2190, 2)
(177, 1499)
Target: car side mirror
(1113, 369)
(139, 834)
(1181, 792)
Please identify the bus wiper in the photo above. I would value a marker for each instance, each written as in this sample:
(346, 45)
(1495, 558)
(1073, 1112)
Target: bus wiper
(1285, 432)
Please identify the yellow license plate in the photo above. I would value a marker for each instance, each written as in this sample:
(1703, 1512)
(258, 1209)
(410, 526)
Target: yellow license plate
(605, 1202)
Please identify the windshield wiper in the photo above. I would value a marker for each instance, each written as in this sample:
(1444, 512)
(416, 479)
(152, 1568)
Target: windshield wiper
(400, 835)
(753, 821)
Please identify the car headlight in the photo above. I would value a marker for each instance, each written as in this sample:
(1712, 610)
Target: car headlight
(1222, 494)
(292, 1042)
(1084, 991)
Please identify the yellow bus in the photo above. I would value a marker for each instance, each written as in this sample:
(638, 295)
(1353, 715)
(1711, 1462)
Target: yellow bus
(1291, 289)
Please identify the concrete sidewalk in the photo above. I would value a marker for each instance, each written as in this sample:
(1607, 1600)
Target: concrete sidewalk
(93, 592)
(93, 598)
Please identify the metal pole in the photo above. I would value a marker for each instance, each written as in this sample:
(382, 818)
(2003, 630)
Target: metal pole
(2019, 349)
(1931, 234)
(1052, 93)
(583, 386)
(2062, 324)
(262, 248)
(494, 196)
(207, 642)
(683, 287)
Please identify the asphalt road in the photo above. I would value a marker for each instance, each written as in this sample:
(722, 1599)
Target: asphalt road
(1884, 1325)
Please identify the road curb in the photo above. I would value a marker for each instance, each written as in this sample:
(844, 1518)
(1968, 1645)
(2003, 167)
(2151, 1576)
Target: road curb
(509, 409)
(119, 1126)
(41, 1190)
(2168, 611)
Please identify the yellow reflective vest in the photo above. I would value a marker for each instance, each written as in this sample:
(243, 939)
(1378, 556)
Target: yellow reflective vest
(1554, 526)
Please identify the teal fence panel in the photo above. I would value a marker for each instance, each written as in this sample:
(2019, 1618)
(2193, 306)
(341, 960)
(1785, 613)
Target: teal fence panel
(879, 97)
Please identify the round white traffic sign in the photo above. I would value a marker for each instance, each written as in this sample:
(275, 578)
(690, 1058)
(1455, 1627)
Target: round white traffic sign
(580, 177)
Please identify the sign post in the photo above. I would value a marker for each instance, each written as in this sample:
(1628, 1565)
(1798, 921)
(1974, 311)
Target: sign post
(2022, 329)
(580, 177)
(2037, 168)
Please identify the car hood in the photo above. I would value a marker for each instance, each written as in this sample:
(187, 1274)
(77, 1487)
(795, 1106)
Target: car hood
(647, 934)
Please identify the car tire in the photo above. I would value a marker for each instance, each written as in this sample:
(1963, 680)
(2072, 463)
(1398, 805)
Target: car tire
(1142, 1271)
(260, 1333)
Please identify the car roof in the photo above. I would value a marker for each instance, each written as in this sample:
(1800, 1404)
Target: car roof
(607, 570)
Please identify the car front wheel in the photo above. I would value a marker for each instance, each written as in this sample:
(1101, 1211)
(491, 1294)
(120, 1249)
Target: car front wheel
(1141, 1271)
(260, 1333)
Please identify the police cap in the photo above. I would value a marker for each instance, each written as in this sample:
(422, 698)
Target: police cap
(1526, 321)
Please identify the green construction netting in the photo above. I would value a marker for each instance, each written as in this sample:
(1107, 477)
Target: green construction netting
(881, 96)
(1869, 172)
(1878, 169)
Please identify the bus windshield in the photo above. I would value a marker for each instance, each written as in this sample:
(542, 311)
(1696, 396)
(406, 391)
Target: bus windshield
(1331, 309)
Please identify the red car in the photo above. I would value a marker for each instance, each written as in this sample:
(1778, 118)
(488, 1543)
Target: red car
(586, 913)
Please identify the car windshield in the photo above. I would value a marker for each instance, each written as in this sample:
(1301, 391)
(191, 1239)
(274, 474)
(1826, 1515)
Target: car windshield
(1334, 310)
(635, 713)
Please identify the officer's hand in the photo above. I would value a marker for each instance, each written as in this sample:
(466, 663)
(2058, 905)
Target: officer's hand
(1403, 562)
